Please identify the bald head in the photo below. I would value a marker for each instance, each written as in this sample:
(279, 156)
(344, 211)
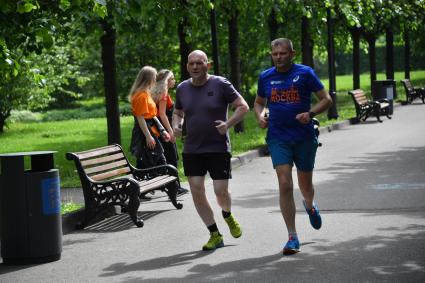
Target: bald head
(198, 66)
(199, 54)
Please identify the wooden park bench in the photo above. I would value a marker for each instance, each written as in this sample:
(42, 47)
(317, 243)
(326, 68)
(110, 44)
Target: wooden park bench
(412, 92)
(365, 107)
(108, 179)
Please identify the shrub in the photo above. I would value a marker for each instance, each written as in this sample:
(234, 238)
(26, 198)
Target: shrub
(84, 112)
(23, 116)
(71, 114)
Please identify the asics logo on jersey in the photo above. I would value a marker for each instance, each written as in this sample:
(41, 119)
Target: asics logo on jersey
(276, 82)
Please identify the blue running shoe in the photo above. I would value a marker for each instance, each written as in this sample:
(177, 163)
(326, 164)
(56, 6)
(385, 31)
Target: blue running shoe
(314, 215)
(292, 246)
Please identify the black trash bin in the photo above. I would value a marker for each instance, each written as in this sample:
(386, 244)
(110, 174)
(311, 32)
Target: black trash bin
(31, 224)
(385, 89)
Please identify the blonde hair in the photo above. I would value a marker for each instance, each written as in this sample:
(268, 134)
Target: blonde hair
(144, 81)
(161, 86)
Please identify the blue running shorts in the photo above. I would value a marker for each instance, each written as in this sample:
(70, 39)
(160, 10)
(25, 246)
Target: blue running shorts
(302, 153)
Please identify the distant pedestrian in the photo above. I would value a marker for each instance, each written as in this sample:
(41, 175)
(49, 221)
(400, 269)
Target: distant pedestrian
(286, 90)
(145, 145)
(164, 81)
(203, 101)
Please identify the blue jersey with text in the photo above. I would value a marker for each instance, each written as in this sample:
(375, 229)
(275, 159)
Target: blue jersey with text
(288, 94)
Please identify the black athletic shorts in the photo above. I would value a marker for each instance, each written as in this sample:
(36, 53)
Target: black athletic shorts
(216, 163)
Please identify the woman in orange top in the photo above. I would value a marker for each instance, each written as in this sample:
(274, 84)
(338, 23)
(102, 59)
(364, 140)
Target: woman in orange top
(164, 81)
(145, 145)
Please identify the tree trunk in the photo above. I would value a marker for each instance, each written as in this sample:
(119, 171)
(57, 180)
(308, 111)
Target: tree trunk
(235, 69)
(185, 48)
(273, 27)
(109, 82)
(216, 63)
(2, 123)
(332, 112)
(389, 54)
(306, 43)
(355, 34)
(406, 54)
(371, 40)
(3, 117)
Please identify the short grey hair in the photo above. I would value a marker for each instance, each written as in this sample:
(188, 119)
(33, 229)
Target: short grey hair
(282, 41)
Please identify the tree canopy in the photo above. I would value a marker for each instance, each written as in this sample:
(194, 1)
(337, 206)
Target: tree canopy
(51, 52)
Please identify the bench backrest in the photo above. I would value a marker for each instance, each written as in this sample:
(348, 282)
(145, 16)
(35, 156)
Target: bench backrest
(103, 163)
(359, 97)
(408, 85)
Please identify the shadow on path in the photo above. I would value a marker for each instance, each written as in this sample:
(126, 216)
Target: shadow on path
(359, 260)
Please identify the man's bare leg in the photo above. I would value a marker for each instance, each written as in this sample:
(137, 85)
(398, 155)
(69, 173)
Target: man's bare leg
(202, 205)
(286, 195)
(305, 181)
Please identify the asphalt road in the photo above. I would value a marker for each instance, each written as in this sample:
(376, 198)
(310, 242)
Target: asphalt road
(370, 187)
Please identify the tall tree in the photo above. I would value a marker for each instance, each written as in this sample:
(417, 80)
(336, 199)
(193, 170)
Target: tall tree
(373, 27)
(272, 23)
(332, 112)
(185, 46)
(371, 40)
(30, 27)
(389, 53)
(214, 40)
(306, 42)
(355, 35)
(349, 14)
(108, 40)
(406, 39)
(235, 69)
(411, 18)
(22, 33)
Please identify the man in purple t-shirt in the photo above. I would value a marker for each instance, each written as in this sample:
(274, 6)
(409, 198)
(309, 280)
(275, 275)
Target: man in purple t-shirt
(203, 101)
(287, 89)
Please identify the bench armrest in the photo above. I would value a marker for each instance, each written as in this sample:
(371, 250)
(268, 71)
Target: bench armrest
(70, 156)
(154, 171)
(382, 100)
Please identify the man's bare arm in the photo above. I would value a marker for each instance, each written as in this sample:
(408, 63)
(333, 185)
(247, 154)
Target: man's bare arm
(241, 107)
(325, 101)
(260, 111)
(178, 118)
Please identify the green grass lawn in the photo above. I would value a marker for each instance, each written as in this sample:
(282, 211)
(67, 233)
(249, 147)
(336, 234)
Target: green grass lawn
(78, 135)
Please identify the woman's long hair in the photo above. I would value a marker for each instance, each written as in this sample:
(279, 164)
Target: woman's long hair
(161, 86)
(144, 81)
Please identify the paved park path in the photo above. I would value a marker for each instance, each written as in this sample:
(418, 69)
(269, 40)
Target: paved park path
(370, 184)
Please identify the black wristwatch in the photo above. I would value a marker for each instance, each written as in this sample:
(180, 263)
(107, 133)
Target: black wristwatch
(311, 114)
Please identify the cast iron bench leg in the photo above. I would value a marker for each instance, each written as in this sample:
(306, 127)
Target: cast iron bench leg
(171, 191)
(133, 206)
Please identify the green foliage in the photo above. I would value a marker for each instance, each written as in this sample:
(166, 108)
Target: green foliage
(50, 51)
(31, 27)
(15, 94)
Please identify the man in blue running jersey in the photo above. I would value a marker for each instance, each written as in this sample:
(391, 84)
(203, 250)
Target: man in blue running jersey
(286, 91)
